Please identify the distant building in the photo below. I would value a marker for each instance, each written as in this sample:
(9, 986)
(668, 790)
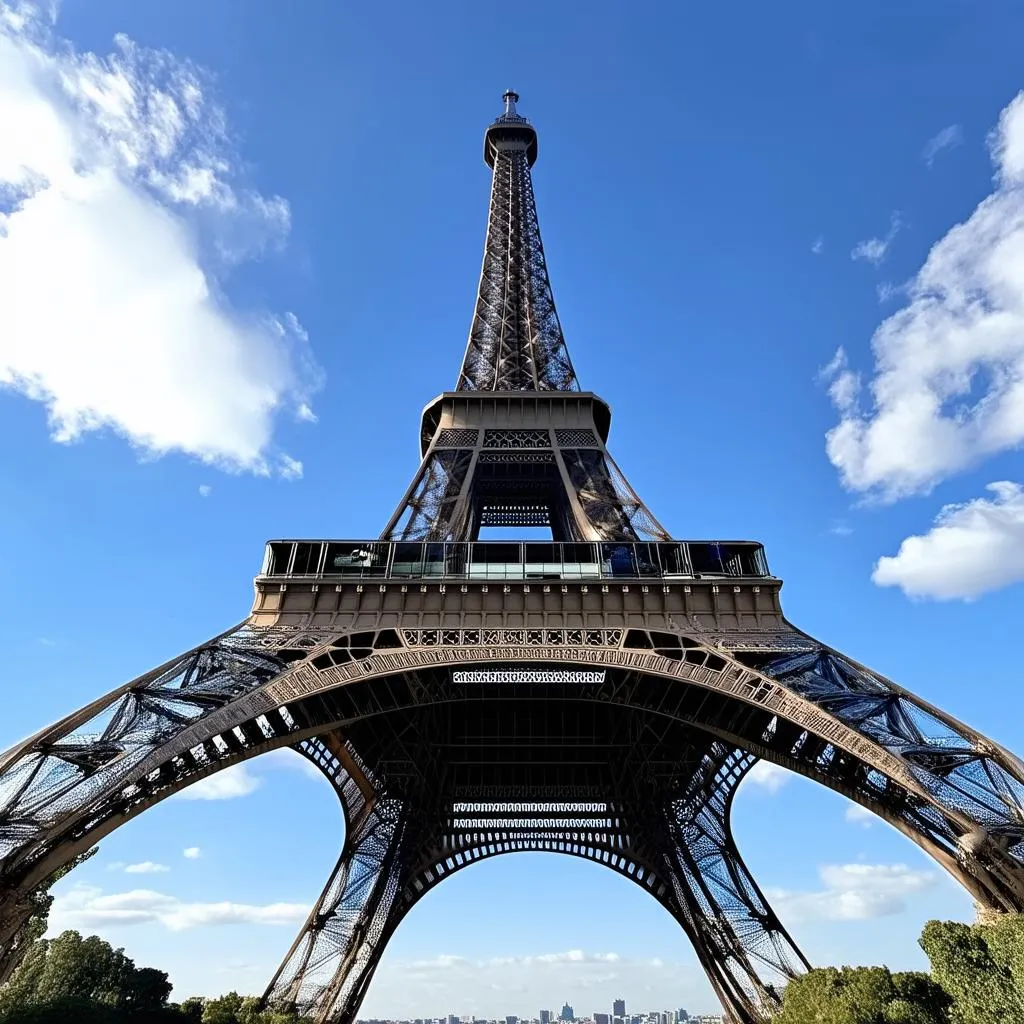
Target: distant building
(545, 1017)
(681, 1016)
(511, 1020)
(453, 1019)
(567, 1013)
(602, 1018)
(619, 1007)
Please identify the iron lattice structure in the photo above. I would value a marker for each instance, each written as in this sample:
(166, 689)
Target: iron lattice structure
(601, 695)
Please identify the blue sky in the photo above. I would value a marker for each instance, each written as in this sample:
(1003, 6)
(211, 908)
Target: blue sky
(257, 230)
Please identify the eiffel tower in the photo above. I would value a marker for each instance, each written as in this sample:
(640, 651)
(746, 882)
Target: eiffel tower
(600, 695)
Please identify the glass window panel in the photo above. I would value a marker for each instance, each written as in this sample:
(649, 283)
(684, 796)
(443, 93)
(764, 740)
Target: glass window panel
(673, 559)
(706, 559)
(307, 558)
(455, 559)
(618, 560)
(347, 558)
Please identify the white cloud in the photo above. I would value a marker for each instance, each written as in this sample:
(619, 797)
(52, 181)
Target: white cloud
(972, 548)
(858, 815)
(853, 892)
(949, 138)
(498, 985)
(87, 906)
(289, 468)
(948, 384)
(874, 250)
(192, 853)
(886, 291)
(120, 211)
(840, 528)
(573, 956)
(768, 776)
(818, 245)
(227, 784)
(146, 867)
(205, 490)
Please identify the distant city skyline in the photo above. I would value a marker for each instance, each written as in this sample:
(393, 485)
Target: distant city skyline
(567, 1013)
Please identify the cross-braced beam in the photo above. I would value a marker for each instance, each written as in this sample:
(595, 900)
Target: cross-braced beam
(739, 939)
(515, 341)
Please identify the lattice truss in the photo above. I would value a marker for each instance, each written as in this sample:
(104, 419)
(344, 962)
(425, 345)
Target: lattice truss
(428, 510)
(749, 955)
(332, 958)
(612, 507)
(515, 341)
(976, 787)
(385, 870)
(961, 796)
(97, 764)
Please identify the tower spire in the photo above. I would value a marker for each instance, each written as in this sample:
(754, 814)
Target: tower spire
(515, 341)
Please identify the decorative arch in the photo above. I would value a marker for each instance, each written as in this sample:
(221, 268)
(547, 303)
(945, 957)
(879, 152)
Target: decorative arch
(956, 794)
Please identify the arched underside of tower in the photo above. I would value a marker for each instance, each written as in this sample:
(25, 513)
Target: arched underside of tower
(620, 746)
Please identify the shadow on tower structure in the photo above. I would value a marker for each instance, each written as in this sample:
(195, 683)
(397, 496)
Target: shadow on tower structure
(600, 695)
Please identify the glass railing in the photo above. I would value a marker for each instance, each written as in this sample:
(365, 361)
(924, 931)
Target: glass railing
(514, 560)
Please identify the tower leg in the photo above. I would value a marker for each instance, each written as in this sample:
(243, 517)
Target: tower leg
(326, 972)
(739, 940)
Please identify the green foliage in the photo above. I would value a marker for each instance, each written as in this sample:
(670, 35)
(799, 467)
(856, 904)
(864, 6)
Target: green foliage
(40, 900)
(191, 1009)
(235, 1009)
(223, 1010)
(981, 967)
(862, 995)
(69, 968)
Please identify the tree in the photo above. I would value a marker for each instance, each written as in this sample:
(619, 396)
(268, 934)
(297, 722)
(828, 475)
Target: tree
(89, 970)
(61, 1011)
(191, 1009)
(862, 995)
(37, 903)
(147, 990)
(981, 967)
(223, 1010)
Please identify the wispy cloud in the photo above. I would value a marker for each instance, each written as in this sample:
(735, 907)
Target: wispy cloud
(853, 892)
(768, 776)
(840, 528)
(818, 245)
(949, 138)
(205, 490)
(228, 784)
(192, 853)
(887, 291)
(89, 907)
(146, 867)
(124, 208)
(496, 985)
(874, 250)
(857, 815)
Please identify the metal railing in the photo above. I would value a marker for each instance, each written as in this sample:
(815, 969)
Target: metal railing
(514, 560)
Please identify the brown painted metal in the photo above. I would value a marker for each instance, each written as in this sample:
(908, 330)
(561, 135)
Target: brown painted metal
(602, 698)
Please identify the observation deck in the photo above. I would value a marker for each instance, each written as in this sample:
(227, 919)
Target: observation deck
(505, 590)
(513, 560)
